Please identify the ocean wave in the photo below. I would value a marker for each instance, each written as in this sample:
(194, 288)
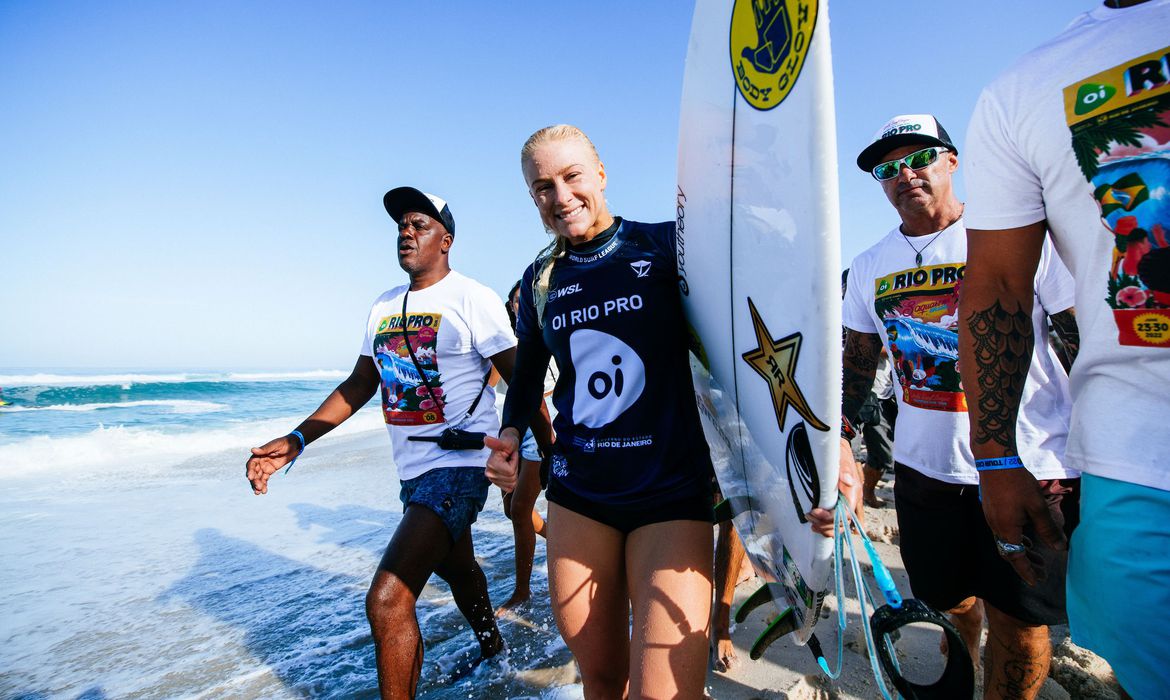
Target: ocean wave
(178, 405)
(128, 379)
(145, 451)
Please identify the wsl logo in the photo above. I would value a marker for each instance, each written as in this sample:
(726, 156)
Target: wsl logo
(610, 377)
(769, 42)
(564, 291)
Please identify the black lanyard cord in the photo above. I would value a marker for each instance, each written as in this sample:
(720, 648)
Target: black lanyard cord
(423, 375)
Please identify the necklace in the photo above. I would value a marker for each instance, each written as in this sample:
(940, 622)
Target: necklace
(918, 251)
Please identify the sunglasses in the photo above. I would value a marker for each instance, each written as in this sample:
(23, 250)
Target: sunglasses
(915, 161)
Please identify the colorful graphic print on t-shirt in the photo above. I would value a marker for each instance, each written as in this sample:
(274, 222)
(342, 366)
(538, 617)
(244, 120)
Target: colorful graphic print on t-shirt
(918, 308)
(405, 398)
(1120, 122)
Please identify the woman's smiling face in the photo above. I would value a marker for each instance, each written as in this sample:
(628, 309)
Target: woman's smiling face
(567, 183)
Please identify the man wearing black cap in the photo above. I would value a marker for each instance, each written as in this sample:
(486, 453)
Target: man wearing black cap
(903, 293)
(428, 349)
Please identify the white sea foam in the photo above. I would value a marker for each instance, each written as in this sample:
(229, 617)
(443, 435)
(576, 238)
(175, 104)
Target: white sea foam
(321, 374)
(176, 406)
(564, 692)
(172, 563)
(148, 529)
(46, 379)
(147, 450)
(128, 379)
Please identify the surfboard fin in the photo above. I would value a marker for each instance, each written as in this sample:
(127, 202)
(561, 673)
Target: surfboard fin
(755, 600)
(784, 624)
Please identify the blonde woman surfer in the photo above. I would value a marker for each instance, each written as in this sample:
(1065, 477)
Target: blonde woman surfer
(629, 492)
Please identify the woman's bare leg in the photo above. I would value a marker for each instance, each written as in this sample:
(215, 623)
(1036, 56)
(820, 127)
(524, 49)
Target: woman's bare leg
(668, 566)
(590, 601)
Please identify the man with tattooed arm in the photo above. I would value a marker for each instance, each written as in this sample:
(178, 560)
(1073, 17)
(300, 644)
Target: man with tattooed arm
(1073, 142)
(904, 294)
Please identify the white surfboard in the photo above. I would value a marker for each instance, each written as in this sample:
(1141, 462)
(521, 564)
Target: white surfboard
(758, 258)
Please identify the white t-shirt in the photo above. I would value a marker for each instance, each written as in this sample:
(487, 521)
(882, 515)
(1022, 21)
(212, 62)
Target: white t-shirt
(1103, 78)
(915, 311)
(454, 325)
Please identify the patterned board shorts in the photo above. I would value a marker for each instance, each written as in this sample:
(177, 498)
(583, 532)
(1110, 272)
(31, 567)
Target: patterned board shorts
(455, 494)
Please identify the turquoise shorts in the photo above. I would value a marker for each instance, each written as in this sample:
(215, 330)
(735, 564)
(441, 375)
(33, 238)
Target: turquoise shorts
(1119, 582)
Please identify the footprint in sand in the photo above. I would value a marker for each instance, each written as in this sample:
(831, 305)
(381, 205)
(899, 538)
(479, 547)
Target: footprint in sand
(811, 688)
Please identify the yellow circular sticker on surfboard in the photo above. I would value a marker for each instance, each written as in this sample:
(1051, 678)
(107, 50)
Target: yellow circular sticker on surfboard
(769, 41)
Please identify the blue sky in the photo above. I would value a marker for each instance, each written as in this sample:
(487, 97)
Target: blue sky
(198, 185)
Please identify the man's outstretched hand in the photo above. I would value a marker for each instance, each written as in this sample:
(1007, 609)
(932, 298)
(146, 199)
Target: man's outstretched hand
(267, 459)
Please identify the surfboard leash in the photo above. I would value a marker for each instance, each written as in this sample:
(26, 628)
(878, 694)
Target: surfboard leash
(958, 677)
(842, 517)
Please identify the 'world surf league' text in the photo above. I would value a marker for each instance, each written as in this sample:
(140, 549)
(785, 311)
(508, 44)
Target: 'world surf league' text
(596, 311)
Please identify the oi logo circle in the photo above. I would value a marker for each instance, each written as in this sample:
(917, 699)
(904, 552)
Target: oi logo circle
(610, 377)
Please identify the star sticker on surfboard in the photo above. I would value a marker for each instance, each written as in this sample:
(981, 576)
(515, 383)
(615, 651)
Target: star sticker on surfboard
(775, 361)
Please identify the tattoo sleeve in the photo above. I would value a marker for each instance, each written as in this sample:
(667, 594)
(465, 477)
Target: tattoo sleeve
(1002, 343)
(1064, 324)
(859, 363)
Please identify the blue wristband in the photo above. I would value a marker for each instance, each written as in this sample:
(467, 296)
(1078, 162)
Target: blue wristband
(994, 464)
(301, 438)
(294, 459)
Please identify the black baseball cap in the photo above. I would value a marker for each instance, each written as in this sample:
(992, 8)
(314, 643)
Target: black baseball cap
(400, 200)
(904, 130)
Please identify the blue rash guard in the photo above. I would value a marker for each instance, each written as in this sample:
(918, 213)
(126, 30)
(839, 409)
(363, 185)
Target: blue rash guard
(628, 431)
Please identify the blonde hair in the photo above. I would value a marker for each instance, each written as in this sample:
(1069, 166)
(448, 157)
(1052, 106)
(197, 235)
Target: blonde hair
(559, 246)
